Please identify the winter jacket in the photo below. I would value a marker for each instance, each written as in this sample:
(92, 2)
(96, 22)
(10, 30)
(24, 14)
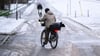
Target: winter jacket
(49, 19)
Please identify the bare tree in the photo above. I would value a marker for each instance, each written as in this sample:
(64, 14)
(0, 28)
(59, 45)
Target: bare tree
(2, 3)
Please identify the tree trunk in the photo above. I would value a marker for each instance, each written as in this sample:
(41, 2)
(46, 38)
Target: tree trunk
(2, 5)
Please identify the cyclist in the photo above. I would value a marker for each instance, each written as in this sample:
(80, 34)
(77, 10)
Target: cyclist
(49, 19)
(39, 8)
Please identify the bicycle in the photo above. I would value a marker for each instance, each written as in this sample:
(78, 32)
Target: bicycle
(53, 35)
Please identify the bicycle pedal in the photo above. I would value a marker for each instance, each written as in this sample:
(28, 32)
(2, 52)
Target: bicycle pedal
(44, 43)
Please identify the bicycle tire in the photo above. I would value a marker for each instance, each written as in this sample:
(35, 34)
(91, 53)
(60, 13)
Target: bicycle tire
(42, 38)
(56, 40)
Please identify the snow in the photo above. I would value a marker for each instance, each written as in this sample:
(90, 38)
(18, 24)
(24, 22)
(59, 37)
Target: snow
(85, 12)
(93, 8)
(20, 6)
(29, 10)
(78, 6)
(60, 5)
(13, 6)
(8, 26)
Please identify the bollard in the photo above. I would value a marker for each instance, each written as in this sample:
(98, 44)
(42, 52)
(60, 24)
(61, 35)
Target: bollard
(16, 15)
(88, 13)
(75, 14)
(20, 14)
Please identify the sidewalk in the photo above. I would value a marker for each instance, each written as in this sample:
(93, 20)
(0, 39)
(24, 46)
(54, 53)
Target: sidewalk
(91, 22)
(16, 45)
(10, 26)
(87, 46)
(28, 10)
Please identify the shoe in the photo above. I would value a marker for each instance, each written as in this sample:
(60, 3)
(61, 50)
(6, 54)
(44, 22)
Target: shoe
(44, 43)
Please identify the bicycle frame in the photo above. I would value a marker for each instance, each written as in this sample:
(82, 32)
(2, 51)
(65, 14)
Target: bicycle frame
(53, 35)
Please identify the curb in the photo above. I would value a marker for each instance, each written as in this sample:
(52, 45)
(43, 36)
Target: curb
(79, 23)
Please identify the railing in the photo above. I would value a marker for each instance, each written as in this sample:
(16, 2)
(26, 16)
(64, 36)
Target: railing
(9, 12)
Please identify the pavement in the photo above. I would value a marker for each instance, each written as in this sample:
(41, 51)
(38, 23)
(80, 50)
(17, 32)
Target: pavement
(19, 44)
(92, 23)
(82, 45)
(10, 26)
(86, 46)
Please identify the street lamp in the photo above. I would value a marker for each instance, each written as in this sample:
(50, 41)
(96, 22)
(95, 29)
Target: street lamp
(16, 9)
(70, 7)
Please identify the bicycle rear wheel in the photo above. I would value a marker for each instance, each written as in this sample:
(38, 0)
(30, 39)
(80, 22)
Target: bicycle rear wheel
(53, 40)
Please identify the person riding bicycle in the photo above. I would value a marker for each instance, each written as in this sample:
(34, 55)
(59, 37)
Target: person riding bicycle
(49, 19)
(39, 8)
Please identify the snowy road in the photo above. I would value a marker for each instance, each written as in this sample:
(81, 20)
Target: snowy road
(73, 33)
(27, 41)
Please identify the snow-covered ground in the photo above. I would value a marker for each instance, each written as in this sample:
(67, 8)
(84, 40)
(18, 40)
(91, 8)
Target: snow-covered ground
(19, 6)
(24, 42)
(85, 12)
(78, 7)
(29, 10)
(10, 26)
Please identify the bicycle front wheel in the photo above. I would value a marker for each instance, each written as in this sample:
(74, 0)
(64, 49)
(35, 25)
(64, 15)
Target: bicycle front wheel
(54, 40)
(42, 38)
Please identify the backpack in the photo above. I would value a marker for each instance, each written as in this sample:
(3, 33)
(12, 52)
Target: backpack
(57, 26)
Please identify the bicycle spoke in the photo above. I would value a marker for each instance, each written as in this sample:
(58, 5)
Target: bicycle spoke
(53, 40)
